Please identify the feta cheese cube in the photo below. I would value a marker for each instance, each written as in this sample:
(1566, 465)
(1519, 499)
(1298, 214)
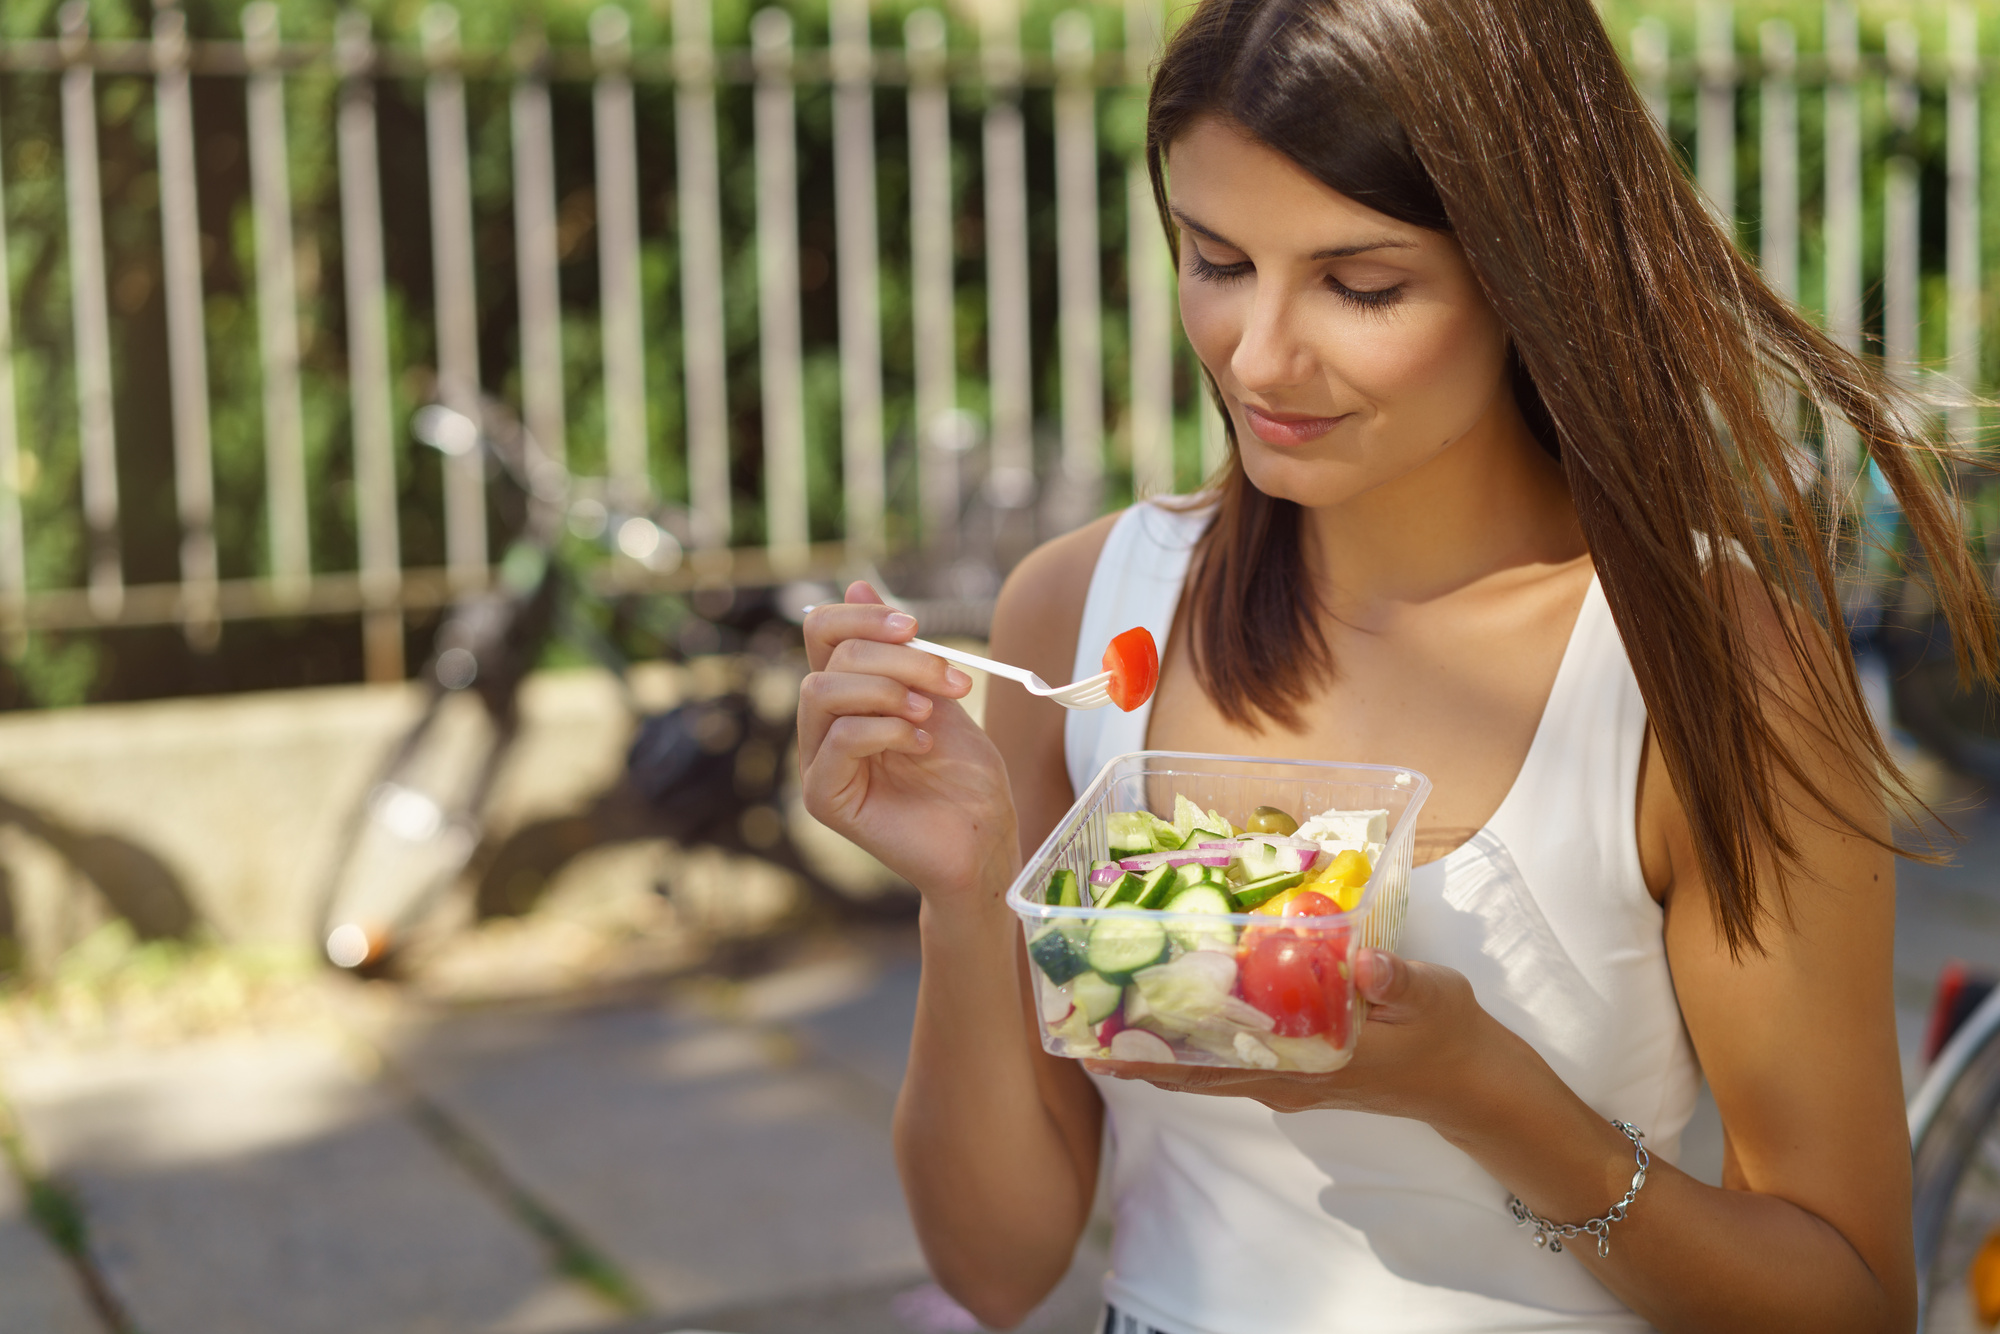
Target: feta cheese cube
(1349, 827)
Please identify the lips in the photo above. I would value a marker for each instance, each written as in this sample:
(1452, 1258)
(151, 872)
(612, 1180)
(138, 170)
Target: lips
(1288, 428)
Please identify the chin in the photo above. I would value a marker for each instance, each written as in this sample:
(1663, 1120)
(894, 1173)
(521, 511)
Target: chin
(1314, 482)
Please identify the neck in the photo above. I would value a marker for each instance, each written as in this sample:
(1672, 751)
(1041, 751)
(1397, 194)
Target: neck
(1489, 501)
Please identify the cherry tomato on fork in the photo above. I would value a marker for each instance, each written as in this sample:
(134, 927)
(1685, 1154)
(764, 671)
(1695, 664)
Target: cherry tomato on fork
(1134, 663)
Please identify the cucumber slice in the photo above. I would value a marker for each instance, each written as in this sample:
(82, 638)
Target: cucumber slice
(1130, 832)
(1121, 946)
(1155, 886)
(1124, 890)
(1255, 892)
(1194, 873)
(1096, 997)
(1205, 899)
(1253, 862)
(1202, 898)
(1056, 955)
(1063, 890)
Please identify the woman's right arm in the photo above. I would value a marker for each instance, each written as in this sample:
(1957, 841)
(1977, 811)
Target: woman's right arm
(997, 1141)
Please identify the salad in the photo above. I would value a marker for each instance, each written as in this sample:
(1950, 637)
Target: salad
(1276, 997)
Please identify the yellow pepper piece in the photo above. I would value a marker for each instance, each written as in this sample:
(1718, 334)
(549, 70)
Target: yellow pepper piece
(1349, 868)
(1343, 879)
(1275, 905)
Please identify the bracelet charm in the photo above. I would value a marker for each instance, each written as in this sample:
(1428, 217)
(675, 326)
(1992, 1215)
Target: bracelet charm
(1552, 1235)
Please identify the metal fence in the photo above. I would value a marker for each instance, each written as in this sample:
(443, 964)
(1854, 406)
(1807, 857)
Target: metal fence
(1715, 90)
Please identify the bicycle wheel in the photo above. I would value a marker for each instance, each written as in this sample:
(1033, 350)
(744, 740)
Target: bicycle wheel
(414, 830)
(1955, 1127)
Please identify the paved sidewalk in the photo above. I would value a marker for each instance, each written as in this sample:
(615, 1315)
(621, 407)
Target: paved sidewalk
(712, 1155)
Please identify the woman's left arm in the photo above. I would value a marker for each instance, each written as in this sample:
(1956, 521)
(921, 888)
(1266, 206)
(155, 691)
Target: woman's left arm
(1810, 1229)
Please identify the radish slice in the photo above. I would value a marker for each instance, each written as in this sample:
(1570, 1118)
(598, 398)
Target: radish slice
(1136, 1044)
(1056, 1003)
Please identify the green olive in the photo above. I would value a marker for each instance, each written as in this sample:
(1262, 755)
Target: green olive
(1271, 820)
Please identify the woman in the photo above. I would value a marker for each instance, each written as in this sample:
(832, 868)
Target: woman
(1511, 501)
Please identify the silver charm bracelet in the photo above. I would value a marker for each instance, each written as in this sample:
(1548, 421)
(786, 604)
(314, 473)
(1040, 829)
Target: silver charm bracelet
(1552, 1235)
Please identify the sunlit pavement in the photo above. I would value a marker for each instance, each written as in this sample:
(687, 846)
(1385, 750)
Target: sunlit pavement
(706, 1154)
(711, 1156)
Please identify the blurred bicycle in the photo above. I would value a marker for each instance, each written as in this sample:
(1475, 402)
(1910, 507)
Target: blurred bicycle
(707, 773)
(1955, 1134)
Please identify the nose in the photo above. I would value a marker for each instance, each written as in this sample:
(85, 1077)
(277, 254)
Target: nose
(1271, 354)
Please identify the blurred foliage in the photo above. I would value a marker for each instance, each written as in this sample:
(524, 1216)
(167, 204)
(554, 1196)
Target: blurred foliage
(62, 669)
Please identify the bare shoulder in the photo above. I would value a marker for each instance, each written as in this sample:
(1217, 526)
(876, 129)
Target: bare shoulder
(1036, 618)
(1035, 626)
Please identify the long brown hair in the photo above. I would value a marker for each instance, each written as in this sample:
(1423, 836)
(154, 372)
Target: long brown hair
(1650, 357)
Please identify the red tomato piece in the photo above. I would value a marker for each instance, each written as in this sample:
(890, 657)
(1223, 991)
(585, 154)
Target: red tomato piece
(1336, 977)
(1282, 976)
(1134, 663)
(1311, 903)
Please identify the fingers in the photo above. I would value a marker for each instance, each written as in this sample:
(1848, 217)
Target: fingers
(1381, 977)
(1185, 1078)
(1400, 990)
(826, 697)
(862, 616)
(834, 780)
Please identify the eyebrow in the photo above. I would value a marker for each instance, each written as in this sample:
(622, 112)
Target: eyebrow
(1333, 252)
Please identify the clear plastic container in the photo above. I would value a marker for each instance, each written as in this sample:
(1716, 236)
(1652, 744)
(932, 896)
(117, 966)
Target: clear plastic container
(1245, 990)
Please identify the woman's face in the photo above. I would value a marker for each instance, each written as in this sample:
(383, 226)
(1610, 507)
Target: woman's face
(1350, 348)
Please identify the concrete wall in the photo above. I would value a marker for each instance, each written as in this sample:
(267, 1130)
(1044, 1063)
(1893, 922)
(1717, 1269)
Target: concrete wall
(237, 803)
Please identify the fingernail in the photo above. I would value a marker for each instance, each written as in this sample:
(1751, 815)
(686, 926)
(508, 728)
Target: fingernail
(916, 703)
(956, 679)
(901, 621)
(1374, 971)
(923, 739)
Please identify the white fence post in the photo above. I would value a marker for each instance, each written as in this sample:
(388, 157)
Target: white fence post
(187, 329)
(1843, 222)
(858, 247)
(457, 302)
(1079, 309)
(933, 315)
(1214, 430)
(368, 352)
(1962, 240)
(1899, 208)
(786, 533)
(277, 309)
(1148, 268)
(1715, 126)
(1010, 478)
(13, 549)
(1778, 242)
(537, 256)
(620, 302)
(90, 310)
(1649, 67)
(703, 350)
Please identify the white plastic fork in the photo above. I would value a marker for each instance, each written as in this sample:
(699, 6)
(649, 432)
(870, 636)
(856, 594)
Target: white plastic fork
(1090, 693)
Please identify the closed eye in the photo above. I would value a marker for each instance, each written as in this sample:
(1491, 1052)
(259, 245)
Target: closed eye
(1376, 299)
(1209, 271)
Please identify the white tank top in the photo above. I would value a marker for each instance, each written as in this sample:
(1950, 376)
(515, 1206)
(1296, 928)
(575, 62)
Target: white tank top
(1233, 1219)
